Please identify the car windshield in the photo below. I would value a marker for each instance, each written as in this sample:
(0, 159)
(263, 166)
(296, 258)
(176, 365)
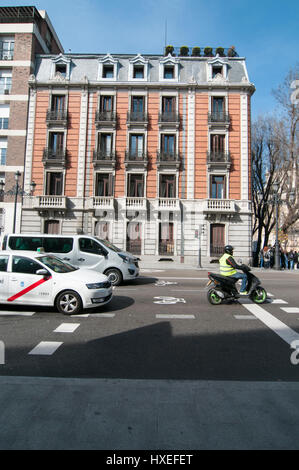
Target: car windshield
(56, 264)
(109, 245)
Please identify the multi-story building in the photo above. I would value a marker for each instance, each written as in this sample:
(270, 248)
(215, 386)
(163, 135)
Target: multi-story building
(24, 32)
(149, 151)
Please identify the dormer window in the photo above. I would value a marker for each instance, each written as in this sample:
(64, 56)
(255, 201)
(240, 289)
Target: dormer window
(107, 68)
(138, 68)
(138, 71)
(169, 68)
(108, 71)
(61, 67)
(168, 72)
(216, 69)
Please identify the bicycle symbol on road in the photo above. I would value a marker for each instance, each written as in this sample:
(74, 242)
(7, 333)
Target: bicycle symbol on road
(161, 283)
(168, 300)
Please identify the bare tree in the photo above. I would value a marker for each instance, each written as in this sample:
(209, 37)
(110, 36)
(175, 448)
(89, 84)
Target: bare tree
(287, 137)
(265, 165)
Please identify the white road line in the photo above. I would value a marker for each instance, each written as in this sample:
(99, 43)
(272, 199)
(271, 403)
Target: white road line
(45, 348)
(245, 317)
(67, 328)
(285, 332)
(10, 313)
(278, 301)
(175, 316)
(102, 315)
(290, 309)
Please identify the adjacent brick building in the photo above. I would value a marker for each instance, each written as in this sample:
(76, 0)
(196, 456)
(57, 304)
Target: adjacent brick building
(149, 151)
(24, 32)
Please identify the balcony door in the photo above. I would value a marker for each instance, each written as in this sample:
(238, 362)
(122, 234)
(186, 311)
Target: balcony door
(54, 183)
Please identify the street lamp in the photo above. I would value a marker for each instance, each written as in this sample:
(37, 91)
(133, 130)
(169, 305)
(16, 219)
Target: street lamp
(16, 191)
(276, 201)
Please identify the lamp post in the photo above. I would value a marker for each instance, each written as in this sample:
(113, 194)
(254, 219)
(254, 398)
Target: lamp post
(276, 202)
(16, 191)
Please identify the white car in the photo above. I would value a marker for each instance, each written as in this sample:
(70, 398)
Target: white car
(43, 279)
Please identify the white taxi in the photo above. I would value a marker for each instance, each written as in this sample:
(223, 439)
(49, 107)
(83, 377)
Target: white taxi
(44, 279)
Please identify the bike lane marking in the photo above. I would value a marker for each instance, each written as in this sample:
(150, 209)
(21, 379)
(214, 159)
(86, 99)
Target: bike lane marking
(281, 329)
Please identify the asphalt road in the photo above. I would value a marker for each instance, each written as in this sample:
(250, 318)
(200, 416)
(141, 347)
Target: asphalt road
(158, 356)
(158, 327)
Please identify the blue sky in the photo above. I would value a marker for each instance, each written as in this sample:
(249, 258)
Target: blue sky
(264, 31)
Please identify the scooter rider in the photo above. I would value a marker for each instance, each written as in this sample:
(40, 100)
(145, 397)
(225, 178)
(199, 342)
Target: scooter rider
(228, 267)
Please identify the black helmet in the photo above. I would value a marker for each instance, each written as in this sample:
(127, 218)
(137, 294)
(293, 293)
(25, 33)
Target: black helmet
(229, 249)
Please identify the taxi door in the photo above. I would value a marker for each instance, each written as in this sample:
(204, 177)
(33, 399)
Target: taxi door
(4, 277)
(25, 286)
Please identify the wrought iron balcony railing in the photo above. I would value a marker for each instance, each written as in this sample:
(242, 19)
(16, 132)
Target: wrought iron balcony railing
(218, 157)
(218, 118)
(131, 156)
(56, 117)
(103, 155)
(105, 117)
(57, 156)
(167, 156)
(137, 117)
(169, 118)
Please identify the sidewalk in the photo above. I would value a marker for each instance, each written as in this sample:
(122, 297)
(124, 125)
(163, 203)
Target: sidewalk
(167, 265)
(56, 413)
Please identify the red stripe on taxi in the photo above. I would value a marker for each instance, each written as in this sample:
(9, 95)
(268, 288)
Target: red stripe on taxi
(28, 289)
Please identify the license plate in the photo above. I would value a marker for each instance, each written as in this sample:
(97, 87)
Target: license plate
(209, 282)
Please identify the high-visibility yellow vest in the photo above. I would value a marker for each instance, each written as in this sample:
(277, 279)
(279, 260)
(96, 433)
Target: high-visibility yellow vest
(226, 269)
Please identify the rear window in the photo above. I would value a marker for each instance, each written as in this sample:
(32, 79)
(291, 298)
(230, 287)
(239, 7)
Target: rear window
(56, 245)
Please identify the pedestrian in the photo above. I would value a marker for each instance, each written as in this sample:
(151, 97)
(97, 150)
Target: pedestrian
(261, 263)
(291, 259)
(295, 259)
(286, 259)
(272, 257)
(267, 257)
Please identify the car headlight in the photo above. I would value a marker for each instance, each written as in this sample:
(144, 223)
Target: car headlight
(125, 258)
(99, 285)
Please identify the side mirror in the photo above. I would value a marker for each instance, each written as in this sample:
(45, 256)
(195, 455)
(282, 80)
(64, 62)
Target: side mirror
(42, 272)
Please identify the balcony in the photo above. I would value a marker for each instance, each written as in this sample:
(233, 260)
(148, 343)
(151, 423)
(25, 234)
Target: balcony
(56, 118)
(104, 158)
(136, 159)
(48, 202)
(218, 119)
(55, 157)
(217, 206)
(170, 160)
(137, 118)
(219, 159)
(136, 203)
(105, 118)
(169, 119)
(168, 203)
(100, 202)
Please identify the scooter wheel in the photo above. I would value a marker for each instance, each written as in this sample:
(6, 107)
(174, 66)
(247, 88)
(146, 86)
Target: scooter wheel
(259, 295)
(213, 297)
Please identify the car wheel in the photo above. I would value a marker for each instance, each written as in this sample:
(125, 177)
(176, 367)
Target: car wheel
(69, 302)
(114, 276)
